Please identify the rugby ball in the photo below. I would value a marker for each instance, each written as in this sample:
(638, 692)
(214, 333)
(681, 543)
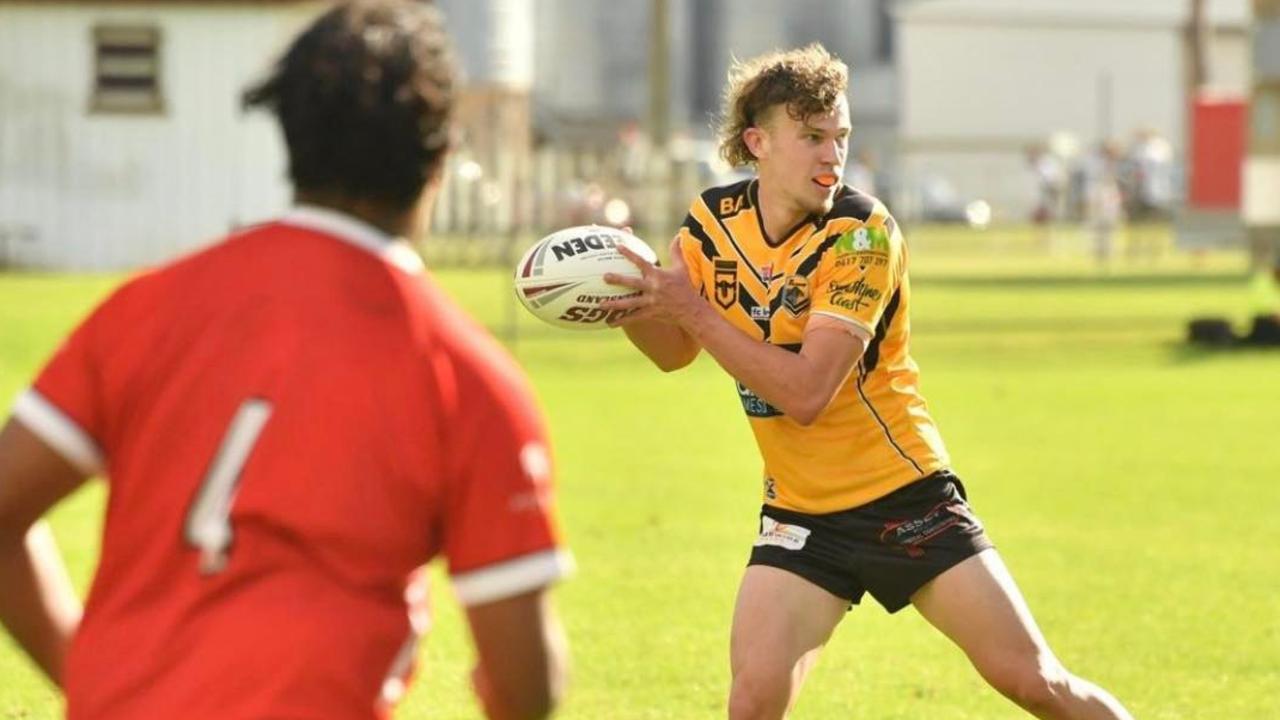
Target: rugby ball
(561, 278)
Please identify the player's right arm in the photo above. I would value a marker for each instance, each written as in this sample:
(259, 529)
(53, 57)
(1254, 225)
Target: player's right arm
(523, 656)
(38, 605)
(500, 537)
(669, 346)
(47, 450)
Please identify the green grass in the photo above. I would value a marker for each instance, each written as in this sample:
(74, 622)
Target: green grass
(1129, 481)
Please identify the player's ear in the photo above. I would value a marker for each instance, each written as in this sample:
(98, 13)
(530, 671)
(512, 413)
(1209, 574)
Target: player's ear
(757, 141)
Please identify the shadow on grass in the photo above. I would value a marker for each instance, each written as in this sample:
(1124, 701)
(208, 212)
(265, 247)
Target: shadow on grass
(1057, 282)
(1181, 352)
(1110, 325)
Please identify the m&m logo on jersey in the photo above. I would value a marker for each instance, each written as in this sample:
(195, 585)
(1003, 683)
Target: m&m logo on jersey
(863, 240)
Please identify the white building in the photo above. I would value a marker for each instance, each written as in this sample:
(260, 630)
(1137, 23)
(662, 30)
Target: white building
(982, 80)
(122, 140)
(592, 57)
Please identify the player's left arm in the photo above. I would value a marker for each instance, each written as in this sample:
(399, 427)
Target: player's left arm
(48, 448)
(38, 605)
(801, 385)
(501, 537)
(523, 655)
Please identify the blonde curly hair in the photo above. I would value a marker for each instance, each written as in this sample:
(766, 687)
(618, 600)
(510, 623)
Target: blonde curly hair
(807, 81)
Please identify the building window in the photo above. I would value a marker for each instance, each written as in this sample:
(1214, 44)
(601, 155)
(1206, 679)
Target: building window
(126, 69)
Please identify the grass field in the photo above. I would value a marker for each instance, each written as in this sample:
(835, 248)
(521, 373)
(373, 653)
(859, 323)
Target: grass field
(1130, 482)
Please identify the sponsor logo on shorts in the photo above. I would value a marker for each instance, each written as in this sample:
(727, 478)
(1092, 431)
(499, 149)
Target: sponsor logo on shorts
(911, 535)
(790, 537)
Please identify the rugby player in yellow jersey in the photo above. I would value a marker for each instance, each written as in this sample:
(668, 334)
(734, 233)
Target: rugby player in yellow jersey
(798, 287)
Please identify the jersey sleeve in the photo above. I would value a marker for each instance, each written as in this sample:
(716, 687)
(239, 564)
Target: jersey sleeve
(500, 534)
(64, 406)
(857, 277)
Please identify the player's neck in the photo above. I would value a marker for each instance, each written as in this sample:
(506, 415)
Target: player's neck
(778, 214)
(395, 223)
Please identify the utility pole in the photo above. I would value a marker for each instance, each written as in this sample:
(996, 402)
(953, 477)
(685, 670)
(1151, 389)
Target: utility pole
(659, 201)
(1197, 43)
(659, 75)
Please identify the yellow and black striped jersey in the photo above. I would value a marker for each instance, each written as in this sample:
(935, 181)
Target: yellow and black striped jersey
(877, 434)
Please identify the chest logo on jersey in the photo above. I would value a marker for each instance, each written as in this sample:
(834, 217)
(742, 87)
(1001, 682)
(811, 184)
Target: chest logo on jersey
(864, 246)
(795, 296)
(726, 283)
(755, 406)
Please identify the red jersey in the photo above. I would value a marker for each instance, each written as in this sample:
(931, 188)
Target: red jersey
(290, 423)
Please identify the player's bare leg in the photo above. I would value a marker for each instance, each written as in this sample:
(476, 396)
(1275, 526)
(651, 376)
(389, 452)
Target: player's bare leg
(978, 605)
(780, 624)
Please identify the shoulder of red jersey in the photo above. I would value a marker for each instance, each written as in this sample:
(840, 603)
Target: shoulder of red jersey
(472, 351)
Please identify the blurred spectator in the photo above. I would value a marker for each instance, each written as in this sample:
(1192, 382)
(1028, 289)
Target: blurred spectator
(1149, 176)
(1104, 202)
(1050, 179)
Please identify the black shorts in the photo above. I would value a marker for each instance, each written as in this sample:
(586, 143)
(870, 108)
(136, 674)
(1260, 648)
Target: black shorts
(889, 547)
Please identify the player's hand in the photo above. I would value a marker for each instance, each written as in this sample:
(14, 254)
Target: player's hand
(665, 294)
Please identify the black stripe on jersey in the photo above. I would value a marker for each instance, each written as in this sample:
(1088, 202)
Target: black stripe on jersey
(850, 203)
(743, 256)
(695, 229)
(748, 303)
(871, 357)
(753, 195)
(712, 197)
(809, 264)
(887, 435)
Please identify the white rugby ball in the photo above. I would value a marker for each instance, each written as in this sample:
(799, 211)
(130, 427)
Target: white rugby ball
(561, 278)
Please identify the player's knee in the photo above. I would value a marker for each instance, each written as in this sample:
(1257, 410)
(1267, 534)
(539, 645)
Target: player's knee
(758, 695)
(1035, 684)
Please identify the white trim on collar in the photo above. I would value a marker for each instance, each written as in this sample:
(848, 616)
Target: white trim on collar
(342, 226)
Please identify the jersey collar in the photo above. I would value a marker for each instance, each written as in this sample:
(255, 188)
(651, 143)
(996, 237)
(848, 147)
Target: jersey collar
(336, 224)
(753, 197)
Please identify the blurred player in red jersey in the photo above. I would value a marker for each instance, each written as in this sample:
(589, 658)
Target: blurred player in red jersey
(290, 423)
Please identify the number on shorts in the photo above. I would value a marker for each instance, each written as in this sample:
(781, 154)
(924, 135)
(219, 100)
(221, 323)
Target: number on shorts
(208, 526)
